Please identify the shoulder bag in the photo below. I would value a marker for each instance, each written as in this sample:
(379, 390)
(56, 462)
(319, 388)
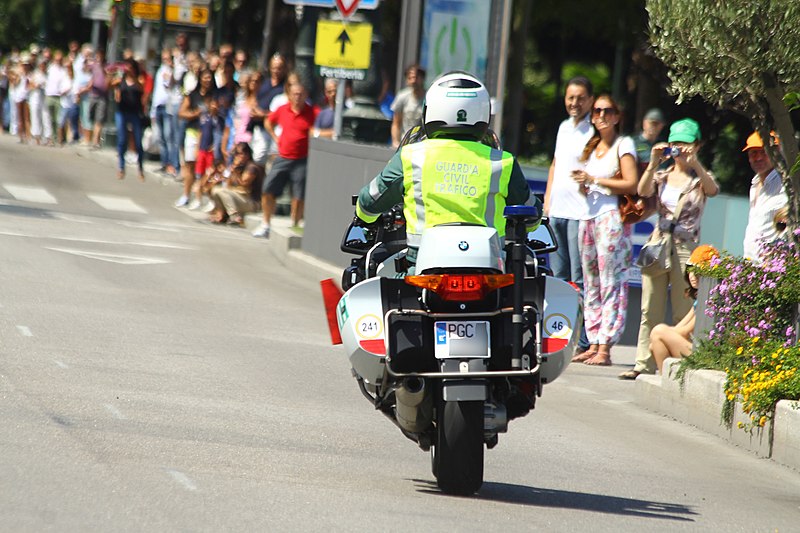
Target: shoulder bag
(632, 207)
(655, 257)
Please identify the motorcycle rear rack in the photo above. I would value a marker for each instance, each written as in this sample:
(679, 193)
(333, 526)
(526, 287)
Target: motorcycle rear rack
(456, 375)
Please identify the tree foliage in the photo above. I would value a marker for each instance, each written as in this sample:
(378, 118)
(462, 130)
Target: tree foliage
(740, 55)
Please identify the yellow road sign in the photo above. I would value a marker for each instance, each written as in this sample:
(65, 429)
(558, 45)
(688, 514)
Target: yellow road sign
(195, 14)
(146, 10)
(342, 45)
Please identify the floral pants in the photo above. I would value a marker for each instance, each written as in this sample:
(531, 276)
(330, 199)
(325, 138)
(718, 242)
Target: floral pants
(606, 254)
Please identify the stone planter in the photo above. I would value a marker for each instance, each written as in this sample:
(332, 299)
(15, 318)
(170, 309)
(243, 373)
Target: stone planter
(699, 403)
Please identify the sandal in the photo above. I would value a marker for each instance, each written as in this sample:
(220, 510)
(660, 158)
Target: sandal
(629, 375)
(602, 358)
(585, 355)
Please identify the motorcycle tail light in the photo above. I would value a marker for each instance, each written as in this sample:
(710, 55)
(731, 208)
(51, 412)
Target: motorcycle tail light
(461, 287)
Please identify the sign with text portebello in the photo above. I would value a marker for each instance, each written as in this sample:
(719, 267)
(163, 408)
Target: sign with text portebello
(342, 50)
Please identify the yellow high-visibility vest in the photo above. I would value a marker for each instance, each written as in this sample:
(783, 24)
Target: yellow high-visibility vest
(449, 181)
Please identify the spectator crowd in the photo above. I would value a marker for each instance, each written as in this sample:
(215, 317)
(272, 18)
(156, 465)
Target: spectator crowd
(234, 136)
(593, 169)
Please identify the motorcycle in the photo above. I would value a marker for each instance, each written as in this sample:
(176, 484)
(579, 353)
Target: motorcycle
(454, 349)
(455, 346)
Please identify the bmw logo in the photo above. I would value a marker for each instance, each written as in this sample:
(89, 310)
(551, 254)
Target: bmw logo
(463, 246)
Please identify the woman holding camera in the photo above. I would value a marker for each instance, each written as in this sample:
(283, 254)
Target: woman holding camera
(680, 189)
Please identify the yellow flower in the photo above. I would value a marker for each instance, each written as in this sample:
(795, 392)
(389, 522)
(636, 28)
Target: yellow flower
(740, 425)
(739, 350)
(762, 421)
(755, 340)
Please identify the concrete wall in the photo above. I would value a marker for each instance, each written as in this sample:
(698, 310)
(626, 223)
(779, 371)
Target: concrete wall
(336, 171)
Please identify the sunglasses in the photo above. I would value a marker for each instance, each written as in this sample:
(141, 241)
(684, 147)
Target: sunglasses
(597, 111)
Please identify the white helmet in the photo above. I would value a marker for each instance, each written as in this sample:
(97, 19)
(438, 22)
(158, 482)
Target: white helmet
(456, 104)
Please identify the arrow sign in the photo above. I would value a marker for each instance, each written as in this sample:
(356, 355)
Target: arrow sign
(344, 39)
(347, 7)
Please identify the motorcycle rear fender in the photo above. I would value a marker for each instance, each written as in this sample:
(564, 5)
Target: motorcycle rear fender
(561, 325)
(464, 390)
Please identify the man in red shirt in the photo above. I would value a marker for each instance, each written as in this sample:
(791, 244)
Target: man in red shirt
(295, 118)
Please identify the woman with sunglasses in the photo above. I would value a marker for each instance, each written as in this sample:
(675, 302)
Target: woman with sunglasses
(605, 240)
(685, 181)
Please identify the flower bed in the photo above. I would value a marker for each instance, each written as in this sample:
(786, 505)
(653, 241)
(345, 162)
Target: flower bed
(753, 312)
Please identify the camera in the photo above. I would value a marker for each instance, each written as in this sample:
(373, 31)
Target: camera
(672, 151)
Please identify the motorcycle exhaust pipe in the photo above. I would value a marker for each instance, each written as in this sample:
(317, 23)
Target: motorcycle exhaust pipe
(414, 405)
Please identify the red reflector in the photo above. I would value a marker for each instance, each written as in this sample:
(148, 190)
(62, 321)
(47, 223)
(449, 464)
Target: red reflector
(331, 294)
(553, 345)
(375, 346)
(461, 287)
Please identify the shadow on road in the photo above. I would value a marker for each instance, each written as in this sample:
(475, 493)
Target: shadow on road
(601, 503)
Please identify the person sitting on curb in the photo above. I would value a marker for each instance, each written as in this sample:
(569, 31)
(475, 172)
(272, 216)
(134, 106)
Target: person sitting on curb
(676, 341)
(241, 192)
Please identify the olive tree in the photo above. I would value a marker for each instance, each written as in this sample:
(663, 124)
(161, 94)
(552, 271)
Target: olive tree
(742, 55)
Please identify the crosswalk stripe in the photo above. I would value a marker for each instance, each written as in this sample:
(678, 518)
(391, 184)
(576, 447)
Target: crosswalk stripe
(30, 194)
(117, 203)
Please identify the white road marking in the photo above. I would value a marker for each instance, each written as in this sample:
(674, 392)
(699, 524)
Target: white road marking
(116, 413)
(117, 203)
(25, 193)
(183, 479)
(138, 225)
(25, 330)
(113, 258)
(616, 402)
(71, 218)
(60, 364)
(150, 244)
(582, 390)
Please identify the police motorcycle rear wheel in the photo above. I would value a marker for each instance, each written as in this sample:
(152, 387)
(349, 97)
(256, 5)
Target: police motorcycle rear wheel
(457, 456)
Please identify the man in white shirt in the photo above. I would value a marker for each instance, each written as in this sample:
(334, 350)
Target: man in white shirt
(767, 197)
(564, 203)
(57, 85)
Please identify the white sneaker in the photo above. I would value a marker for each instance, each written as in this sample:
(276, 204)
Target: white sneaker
(261, 231)
(194, 205)
(209, 207)
(182, 201)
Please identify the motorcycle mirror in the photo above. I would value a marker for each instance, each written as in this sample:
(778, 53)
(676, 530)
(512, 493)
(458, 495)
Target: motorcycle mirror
(542, 240)
(358, 240)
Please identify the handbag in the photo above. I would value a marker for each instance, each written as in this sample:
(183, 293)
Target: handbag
(655, 257)
(634, 208)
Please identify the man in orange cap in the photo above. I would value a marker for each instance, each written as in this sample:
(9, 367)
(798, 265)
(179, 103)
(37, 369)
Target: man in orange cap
(767, 196)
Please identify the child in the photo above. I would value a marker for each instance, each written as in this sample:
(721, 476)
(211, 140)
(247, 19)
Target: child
(211, 126)
(214, 176)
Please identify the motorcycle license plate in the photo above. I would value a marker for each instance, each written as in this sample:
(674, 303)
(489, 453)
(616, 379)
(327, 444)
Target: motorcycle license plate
(461, 339)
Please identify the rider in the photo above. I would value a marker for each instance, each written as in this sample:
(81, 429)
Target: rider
(450, 176)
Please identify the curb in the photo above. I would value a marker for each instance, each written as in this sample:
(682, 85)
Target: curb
(699, 403)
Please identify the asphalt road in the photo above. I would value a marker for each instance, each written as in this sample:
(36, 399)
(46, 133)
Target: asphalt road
(161, 374)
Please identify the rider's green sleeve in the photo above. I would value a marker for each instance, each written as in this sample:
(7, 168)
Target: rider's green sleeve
(519, 193)
(383, 192)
